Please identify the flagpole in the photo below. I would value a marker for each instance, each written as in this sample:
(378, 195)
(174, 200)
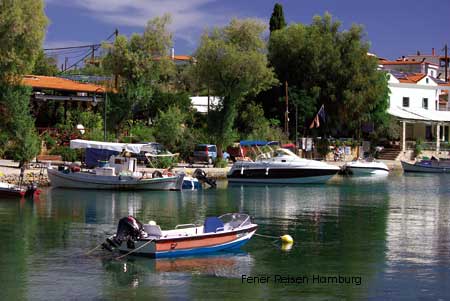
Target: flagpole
(286, 114)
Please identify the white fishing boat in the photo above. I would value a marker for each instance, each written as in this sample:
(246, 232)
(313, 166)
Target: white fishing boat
(367, 168)
(67, 178)
(118, 173)
(281, 166)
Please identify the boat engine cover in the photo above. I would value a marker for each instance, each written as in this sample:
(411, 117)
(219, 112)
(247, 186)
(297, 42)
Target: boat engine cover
(128, 228)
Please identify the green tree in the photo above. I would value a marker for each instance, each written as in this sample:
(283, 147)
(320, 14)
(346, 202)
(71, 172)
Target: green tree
(23, 143)
(44, 65)
(22, 28)
(277, 19)
(142, 64)
(332, 67)
(254, 125)
(232, 61)
(169, 127)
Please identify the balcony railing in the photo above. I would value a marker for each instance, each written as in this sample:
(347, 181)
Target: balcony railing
(427, 145)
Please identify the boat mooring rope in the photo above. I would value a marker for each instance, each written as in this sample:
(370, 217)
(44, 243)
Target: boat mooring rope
(285, 239)
(267, 236)
(92, 250)
(134, 250)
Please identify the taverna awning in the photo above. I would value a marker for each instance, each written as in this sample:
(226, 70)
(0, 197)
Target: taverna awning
(112, 146)
(416, 114)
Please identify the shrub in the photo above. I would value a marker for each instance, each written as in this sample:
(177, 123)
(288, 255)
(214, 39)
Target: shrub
(49, 141)
(221, 163)
(323, 147)
(418, 147)
(163, 162)
(67, 154)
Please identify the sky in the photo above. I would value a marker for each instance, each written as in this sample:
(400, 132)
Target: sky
(393, 27)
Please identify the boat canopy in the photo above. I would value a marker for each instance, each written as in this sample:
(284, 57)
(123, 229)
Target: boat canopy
(112, 146)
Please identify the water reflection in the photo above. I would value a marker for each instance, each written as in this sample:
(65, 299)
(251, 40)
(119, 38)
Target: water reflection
(393, 232)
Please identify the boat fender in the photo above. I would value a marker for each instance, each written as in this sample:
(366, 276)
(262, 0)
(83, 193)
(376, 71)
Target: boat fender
(242, 170)
(267, 171)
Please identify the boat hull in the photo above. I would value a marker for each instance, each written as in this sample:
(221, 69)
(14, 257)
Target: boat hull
(407, 167)
(368, 171)
(281, 175)
(192, 245)
(81, 180)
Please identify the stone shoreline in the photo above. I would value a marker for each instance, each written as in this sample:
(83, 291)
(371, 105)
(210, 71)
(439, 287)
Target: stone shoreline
(11, 174)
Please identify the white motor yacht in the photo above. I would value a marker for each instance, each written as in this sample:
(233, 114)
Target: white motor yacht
(281, 166)
(367, 168)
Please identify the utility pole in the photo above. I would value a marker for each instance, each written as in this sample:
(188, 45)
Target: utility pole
(446, 63)
(92, 55)
(66, 60)
(116, 33)
(286, 114)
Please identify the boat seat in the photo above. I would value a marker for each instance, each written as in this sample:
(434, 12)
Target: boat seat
(153, 230)
(212, 225)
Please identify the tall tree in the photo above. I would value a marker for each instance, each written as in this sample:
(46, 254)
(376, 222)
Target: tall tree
(22, 29)
(142, 64)
(44, 65)
(331, 67)
(233, 62)
(277, 19)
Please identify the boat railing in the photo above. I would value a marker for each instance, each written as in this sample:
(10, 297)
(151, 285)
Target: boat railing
(185, 226)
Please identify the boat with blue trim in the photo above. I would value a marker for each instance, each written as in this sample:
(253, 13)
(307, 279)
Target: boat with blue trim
(226, 232)
(428, 166)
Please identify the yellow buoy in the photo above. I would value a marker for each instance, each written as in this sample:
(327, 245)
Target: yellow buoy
(286, 246)
(287, 239)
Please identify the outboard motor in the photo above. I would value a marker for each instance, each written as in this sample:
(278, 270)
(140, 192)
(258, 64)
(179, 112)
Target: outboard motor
(200, 174)
(129, 229)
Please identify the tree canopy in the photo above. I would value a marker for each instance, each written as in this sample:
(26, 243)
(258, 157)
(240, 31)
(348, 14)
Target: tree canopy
(333, 68)
(277, 19)
(233, 63)
(141, 63)
(22, 29)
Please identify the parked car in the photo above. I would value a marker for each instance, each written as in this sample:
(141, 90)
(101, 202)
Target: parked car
(205, 153)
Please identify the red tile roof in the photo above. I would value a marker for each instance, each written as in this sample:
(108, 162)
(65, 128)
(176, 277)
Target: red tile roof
(57, 83)
(412, 78)
(405, 62)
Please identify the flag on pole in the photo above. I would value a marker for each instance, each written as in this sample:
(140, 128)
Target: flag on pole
(316, 121)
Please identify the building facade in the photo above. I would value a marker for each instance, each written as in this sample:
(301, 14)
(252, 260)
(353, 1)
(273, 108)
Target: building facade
(420, 103)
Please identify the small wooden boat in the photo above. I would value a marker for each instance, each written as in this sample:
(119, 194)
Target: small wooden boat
(427, 166)
(11, 190)
(228, 231)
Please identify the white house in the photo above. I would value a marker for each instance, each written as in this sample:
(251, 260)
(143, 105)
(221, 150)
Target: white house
(420, 103)
(203, 103)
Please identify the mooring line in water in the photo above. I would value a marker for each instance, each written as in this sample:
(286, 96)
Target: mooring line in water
(134, 250)
(92, 250)
(268, 236)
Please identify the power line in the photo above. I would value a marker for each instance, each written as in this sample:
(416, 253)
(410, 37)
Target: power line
(73, 47)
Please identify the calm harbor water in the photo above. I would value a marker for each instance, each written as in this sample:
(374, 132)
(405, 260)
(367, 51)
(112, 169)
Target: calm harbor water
(389, 237)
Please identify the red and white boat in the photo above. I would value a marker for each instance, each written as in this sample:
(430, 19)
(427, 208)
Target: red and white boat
(228, 231)
(11, 190)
